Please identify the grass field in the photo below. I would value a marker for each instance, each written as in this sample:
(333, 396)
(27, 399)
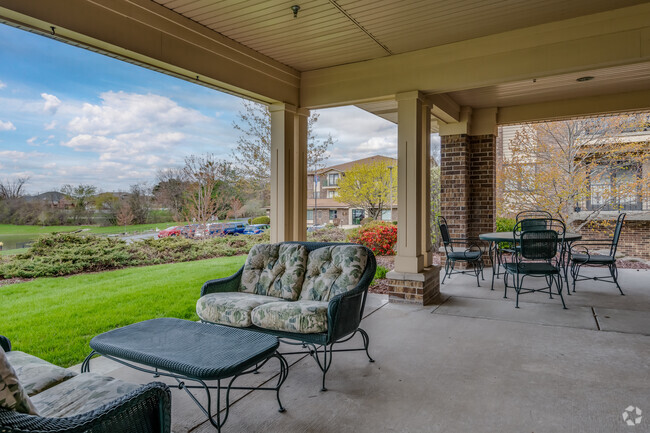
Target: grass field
(55, 318)
(10, 229)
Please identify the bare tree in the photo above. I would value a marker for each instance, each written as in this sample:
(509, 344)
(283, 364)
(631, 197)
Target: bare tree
(12, 189)
(124, 215)
(253, 152)
(139, 203)
(210, 187)
(170, 189)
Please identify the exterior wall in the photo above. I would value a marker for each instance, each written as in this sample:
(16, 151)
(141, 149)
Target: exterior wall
(468, 183)
(635, 236)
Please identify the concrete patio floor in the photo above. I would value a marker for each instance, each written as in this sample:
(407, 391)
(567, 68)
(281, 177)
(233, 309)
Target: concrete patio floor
(473, 363)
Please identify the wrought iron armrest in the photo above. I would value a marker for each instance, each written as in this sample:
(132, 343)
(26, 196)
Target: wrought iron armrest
(227, 284)
(145, 410)
(5, 343)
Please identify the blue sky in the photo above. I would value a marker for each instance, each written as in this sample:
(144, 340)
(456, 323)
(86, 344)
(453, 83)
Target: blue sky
(71, 116)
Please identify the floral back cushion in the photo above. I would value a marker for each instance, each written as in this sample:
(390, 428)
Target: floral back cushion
(333, 270)
(12, 394)
(275, 270)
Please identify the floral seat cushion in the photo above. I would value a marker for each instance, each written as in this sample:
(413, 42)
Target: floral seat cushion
(333, 270)
(35, 374)
(230, 308)
(305, 317)
(82, 393)
(275, 270)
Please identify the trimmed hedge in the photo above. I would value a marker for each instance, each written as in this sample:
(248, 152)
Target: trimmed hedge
(261, 220)
(66, 254)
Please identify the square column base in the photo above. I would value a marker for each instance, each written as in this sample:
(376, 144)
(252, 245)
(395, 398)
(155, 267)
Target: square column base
(422, 288)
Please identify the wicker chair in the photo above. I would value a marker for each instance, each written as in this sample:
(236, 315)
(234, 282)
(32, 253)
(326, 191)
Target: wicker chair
(580, 255)
(145, 410)
(472, 255)
(537, 250)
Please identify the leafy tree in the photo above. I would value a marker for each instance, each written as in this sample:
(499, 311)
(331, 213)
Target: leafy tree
(80, 196)
(253, 152)
(368, 186)
(559, 166)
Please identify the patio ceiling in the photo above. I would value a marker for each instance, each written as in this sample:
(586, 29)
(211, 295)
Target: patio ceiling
(335, 32)
(515, 60)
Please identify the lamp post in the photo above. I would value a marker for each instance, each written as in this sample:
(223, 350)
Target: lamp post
(390, 169)
(315, 199)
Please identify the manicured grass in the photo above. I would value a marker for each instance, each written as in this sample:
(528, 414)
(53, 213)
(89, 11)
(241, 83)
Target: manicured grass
(55, 318)
(13, 252)
(10, 229)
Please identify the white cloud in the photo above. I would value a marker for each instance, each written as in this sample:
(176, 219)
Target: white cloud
(31, 140)
(2, 85)
(50, 125)
(51, 104)
(7, 126)
(122, 112)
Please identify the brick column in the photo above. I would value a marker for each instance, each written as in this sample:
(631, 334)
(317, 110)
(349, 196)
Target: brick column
(468, 183)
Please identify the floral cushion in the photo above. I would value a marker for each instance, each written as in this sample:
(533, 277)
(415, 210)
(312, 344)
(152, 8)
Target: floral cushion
(230, 308)
(305, 317)
(275, 270)
(35, 374)
(333, 270)
(12, 394)
(82, 393)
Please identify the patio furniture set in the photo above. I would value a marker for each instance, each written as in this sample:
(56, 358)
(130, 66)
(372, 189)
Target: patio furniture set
(303, 293)
(538, 246)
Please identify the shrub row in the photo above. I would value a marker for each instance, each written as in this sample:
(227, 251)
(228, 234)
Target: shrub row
(379, 236)
(66, 254)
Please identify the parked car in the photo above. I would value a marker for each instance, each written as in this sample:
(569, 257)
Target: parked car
(215, 230)
(255, 229)
(234, 228)
(170, 232)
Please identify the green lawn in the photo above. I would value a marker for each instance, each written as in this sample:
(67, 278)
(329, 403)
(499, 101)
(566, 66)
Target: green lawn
(13, 252)
(10, 229)
(55, 318)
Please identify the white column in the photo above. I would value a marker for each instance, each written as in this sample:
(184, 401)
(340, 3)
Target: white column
(425, 163)
(410, 173)
(288, 173)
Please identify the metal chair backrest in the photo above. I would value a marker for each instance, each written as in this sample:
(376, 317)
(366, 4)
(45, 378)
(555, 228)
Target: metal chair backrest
(444, 232)
(541, 241)
(538, 244)
(617, 234)
(532, 214)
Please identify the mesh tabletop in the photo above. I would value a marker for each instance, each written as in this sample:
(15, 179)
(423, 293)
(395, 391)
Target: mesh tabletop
(196, 350)
(510, 237)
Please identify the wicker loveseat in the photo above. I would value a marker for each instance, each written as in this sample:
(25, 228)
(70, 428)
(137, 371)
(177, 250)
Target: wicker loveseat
(76, 403)
(307, 293)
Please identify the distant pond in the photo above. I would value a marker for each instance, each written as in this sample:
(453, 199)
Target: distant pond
(11, 242)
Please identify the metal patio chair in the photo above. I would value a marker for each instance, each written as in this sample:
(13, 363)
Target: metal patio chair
(536, 256)
(472, 255)
(580, 255)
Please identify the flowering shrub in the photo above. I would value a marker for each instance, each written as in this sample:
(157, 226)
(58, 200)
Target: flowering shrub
(380, 237)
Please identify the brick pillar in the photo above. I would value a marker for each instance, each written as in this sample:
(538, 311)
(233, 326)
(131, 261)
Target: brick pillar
(454, 183)
(468, 183)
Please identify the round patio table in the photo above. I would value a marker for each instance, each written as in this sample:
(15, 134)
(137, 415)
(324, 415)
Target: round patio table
(495, 238)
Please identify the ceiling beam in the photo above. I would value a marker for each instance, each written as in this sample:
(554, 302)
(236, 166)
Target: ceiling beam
(146, 33)
(617, 37)
(593, 105)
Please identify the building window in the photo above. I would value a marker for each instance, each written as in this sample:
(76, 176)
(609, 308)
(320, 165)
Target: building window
(310, 215)
(615, 188)
(331, 194)
(357, 216)
(386, 215)
(333, 214)
(333, 179)
(317, 194)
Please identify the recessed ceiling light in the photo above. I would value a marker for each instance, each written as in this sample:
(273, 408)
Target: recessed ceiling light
(581, 79)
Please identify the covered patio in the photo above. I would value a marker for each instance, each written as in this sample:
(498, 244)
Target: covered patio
(459, 69)
(459, 358)
(472, 363)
